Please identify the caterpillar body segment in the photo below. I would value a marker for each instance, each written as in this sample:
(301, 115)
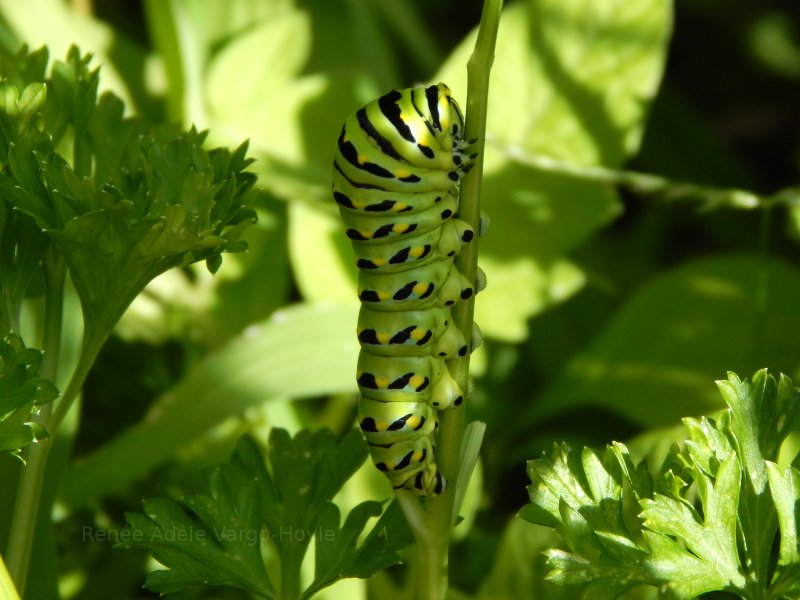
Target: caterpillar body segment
(407, 379)
(409, 465)
(396, 171)
(378, 200)
(441, 243)
(439, 284)
(429, 332)
(384, 423)
(365, 228)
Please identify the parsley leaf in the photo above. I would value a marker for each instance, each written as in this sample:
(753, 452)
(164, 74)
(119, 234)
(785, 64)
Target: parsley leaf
(707, 522)
(217, 538)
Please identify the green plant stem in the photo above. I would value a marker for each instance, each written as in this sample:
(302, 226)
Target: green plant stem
(29, 492)
(432, 526)
(29, 489)
(647, 184)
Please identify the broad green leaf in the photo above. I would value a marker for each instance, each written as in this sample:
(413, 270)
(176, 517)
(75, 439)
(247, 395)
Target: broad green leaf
(321, 256)
(269, 99)
(677, 333)
(303, 351)
(186, 34)
(571, 80)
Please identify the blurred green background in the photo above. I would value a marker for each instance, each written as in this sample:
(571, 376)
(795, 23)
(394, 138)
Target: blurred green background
(608, 315)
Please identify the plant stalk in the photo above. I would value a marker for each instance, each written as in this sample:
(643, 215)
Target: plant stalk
(29, 489)
(647, 184)
(432, 526)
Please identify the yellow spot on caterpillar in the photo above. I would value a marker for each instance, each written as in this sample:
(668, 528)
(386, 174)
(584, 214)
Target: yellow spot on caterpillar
(418, 333)
(416, 252)
(416, 381)
(383, 338)
(399, 227)
(384, 296)
(382, 383)
(420, 288)
(366, 233)
(400, 173)
(417, 456)
(362, 158)
(399, 207)
(381, 425)
(412, 422)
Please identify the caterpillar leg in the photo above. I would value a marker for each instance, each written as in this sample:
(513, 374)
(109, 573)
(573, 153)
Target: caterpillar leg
(480, 280)
(484, 224)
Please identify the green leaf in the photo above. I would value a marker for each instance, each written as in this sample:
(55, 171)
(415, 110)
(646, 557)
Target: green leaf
(21, 390)
(785, 490)
(207, 539)
(22, 248)
(705, 526)
(216, 538)
(711, 538)
(705, 326)
(581, 496)
(51, 23)
(132, 201)
(338, 553)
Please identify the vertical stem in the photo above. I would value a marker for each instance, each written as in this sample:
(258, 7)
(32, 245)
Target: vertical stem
(433, 534)
(29, 491)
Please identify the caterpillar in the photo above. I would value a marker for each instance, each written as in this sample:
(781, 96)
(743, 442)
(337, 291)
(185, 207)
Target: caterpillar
(396, 173)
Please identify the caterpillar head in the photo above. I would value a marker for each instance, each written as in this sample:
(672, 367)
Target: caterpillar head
(446, 117)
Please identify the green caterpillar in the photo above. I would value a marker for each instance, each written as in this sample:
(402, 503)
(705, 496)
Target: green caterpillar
(396, 171)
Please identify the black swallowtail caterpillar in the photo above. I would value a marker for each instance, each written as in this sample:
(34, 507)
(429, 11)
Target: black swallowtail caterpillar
(396, 171)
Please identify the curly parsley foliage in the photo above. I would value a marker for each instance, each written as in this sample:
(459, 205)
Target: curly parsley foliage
(709, 521)
(220, 537)
(121, 201)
